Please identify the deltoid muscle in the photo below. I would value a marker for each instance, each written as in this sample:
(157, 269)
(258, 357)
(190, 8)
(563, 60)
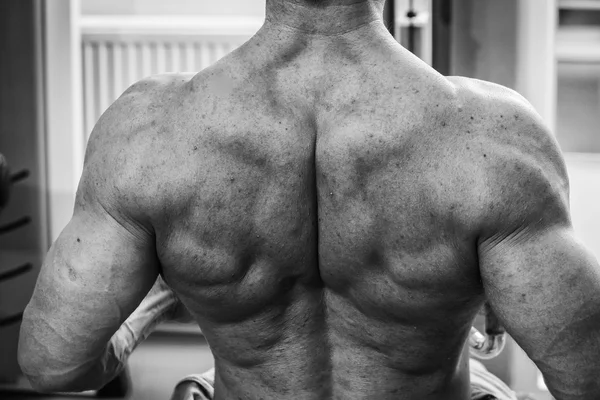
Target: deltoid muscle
(491, 344)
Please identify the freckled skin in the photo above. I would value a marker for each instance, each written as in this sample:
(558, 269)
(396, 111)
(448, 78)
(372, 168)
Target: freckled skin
(311, 237)
(309, 231)
(333, 214)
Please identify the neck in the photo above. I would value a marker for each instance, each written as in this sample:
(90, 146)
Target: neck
(322, 17)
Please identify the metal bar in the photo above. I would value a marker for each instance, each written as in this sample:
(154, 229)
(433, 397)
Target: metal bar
(205, 55)
(412, 30)
(16, 272)
(132, 63)
(220, 51)
(117, 69)
(19, 176)
(103, 76)
(146, 59)
(11, 320)
(389, 16)
(89, 88)
(161, 57)
(190, 57)
(442, 41)
(175, 57)
(15, 225)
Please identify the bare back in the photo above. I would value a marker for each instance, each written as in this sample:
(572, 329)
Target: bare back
(332, 212)
(312, 214)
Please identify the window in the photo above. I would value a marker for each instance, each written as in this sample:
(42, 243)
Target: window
(578, 76)
(578, 106)
(415, 27)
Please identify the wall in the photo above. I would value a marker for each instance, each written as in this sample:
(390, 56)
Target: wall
(584, 179)
(21, 141)
(486, 44)
(251, 8)
(509, 42)
(492, 40)
(483, 46)
(484, 40)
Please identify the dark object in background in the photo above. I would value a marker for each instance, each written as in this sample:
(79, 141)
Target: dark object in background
(412, 30)
(389, 16)
(117, 388)
(441, 12)
(5, 182)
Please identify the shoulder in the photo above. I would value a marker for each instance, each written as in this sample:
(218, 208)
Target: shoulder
(137, 107)
(521, 174)
(140, 103)
(501, 117)
(124, 143)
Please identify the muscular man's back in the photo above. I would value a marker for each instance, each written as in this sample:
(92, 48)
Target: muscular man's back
(332, 212)
(312, 213)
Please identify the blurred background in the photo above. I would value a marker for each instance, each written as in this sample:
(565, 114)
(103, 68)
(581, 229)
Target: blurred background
(63, 62)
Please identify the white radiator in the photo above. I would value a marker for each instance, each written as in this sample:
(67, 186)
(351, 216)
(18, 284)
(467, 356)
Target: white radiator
(118, 51)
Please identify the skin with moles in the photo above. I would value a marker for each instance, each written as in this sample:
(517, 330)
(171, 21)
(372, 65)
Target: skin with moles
(332, 212)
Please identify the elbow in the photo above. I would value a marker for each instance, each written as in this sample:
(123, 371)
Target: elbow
(581, 389)
(45, 380)
(43, 373)
(32, 363)
(49, 382)
(33, 368)
(578, 384)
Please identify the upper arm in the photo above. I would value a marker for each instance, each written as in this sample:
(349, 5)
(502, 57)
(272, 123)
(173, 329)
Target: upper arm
(542, 283)
(104, 262)
(544, 287)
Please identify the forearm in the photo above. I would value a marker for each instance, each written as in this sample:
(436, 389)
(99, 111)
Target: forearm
(570, 366)
(89, 376)
(580, 383)
(582, 389)
(156, 307)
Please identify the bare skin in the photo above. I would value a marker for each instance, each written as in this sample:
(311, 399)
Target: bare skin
(333, 213)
